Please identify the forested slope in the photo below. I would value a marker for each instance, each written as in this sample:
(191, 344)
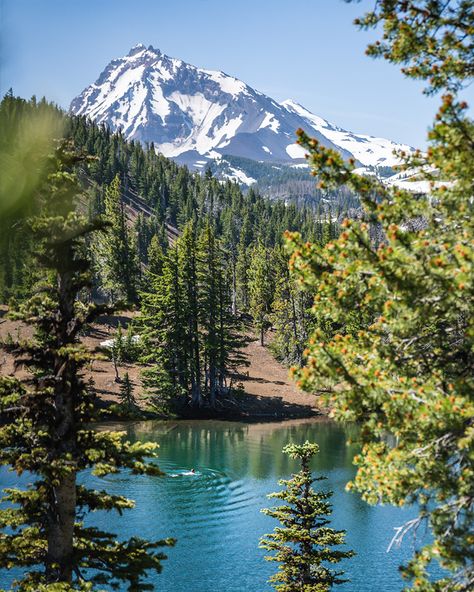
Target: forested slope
(194, 255)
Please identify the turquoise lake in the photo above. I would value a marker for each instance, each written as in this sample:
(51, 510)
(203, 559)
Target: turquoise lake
(215, 514)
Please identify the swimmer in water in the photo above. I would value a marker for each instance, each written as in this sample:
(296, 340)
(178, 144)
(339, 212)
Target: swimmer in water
(193, 471)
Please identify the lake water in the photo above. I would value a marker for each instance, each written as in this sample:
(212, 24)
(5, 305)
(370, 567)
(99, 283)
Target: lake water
(215, 514)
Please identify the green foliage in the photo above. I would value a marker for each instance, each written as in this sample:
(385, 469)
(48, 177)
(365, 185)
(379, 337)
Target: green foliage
(260, 287)
(163, 335)
(173, 195)
(45, 420)
(145, 197)
(155, 256)
(187, 263)
(127, 398)
(288, 183)
(115, 253)
(28, 131)
(290, 314)
(433, 39)
(242, 265)
(217, 324)
(303, 543)
(394, 333)
(117, 349)
(131, 346)
(125, 348)
(188, 331)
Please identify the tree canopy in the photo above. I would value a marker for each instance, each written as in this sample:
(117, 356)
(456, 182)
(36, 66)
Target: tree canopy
(303, 543)
(393, 339)
(46, 417)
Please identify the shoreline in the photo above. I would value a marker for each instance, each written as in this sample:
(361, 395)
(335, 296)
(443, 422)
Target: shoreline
(263, 391)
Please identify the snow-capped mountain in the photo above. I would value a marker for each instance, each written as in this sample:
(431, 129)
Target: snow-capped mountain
(195, 116)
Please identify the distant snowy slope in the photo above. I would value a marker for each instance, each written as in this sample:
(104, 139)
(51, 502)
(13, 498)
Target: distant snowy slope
(367, 150)
(195, 116)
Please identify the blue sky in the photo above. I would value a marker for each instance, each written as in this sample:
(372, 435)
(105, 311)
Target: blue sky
(307, 50)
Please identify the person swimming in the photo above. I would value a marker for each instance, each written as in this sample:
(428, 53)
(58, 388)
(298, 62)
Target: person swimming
(185, 473)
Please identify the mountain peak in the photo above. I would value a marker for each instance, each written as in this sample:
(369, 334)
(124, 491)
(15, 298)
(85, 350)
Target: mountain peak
(136, 49)
(195, 115)
(140, 47)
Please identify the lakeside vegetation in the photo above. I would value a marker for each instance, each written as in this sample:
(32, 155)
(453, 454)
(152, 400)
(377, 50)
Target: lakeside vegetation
(389, 338)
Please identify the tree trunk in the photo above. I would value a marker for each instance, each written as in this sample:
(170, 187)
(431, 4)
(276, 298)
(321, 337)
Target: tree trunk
(195, 366)
(212, 383)
(261, 335)
(59, 562)
(234, 287)
(114, 360)
(62, 503)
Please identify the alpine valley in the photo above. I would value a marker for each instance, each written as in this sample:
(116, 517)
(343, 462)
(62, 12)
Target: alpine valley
(208, 119)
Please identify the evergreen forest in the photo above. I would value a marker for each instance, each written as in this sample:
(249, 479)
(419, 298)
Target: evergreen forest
(356, 295)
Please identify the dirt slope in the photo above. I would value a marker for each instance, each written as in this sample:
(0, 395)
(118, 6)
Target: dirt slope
(268, 391)
(268, 388)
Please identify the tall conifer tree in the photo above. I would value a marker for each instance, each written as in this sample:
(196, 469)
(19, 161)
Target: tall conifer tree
(209, 278)
(46, 417)
(260, 287)
(304, 542)
(187, 260)
(116, 251)
(164, 331)
(242, 266)
(290, 313)
(406, 372)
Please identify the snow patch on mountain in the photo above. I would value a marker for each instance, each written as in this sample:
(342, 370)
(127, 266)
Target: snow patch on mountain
(295, 151)
(271, 122)
(238, 175)
(228, 84)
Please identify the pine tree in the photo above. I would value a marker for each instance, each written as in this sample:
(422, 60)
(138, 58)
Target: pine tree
(126, 395)
(167, 193)
(117, 351)
(290, 314)
(115, 250)
(230, 340)
(241, 276)
(163, 336)
(45, 422)
(187, 328)
(27, 135)
(217, 324)
(187, 260)
(260, 286)
(130, 345)
(155, 256)
(406, 372)
(118, 345)
(242, 266)
(230, 241)
(209, 275)
(303, 543)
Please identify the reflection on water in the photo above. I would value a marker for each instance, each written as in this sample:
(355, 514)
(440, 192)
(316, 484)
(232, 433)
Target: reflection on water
(215, 513)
